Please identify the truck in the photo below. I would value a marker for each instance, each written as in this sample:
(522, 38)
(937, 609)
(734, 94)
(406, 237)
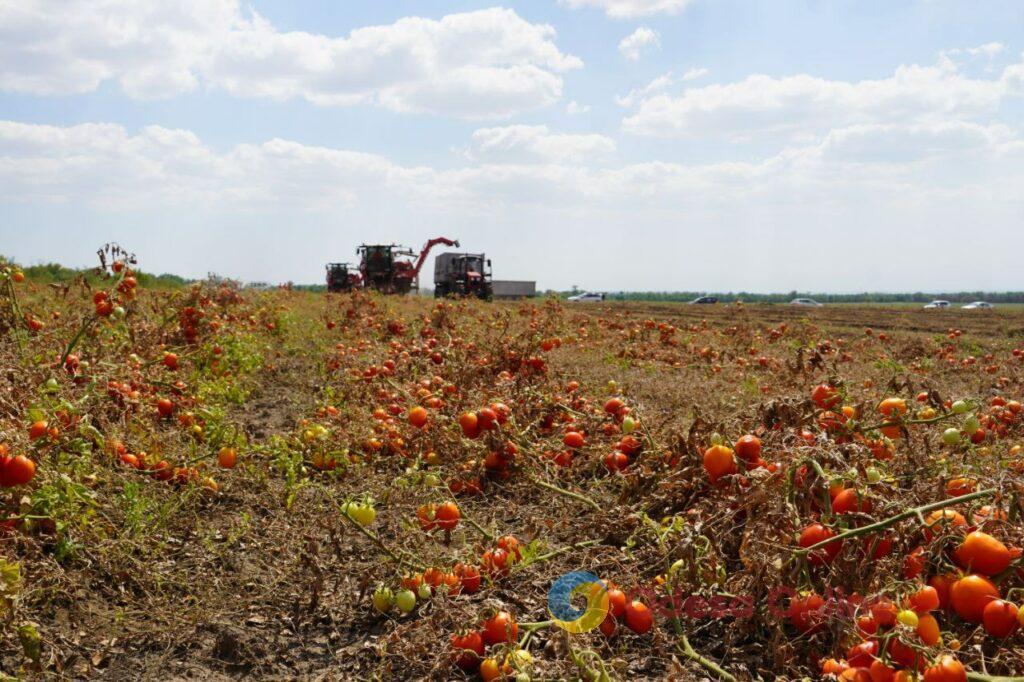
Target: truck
(462, 274)
(508, 288)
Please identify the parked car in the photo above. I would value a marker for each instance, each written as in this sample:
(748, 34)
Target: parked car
(937, 303)
(806, 302)
(704, 300)
(587, 297)
(977, 305)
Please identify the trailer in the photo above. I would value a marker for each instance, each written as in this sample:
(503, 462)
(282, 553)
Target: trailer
(508, 288)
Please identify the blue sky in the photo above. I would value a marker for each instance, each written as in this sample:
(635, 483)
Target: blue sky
(763, 146)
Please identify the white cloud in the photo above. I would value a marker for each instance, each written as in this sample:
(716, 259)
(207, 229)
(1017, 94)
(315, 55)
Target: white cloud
(630, 9)
(801, 105)
(525, 144)
(488, 63)
(694, 74)
(640, 40)
(574, 107)
(104, 167)
(988, 50)
(637, 95)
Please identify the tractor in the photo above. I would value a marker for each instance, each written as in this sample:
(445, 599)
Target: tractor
(463, 274)
(389, 268)
(342, 277)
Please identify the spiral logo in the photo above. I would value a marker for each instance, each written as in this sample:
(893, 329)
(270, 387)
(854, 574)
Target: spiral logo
(570, 618)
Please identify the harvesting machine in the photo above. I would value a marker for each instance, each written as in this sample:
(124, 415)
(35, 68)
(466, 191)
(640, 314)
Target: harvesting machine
(390, 268)
(342, 277)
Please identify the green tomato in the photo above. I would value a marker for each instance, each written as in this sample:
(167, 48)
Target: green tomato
(405, 600)
(951, 436)
(613, 386)
(383, 599)
(118, 312)
(363, 514)
(971, 424)
(908, 618)
(628, 425)
(51, 385)
(961, 407)
(874, 475)
(424, 591)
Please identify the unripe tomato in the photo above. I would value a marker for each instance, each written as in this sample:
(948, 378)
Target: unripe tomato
(383, 599)
(363, 514)
(405, 600)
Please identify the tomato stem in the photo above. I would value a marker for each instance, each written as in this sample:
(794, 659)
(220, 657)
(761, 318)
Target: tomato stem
(562, 491)
(893, 520)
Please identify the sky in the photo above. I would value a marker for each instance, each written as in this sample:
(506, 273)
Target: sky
(698, 145)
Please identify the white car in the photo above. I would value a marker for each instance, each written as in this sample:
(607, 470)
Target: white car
(977, 305)
(936, 304)
(805, 302)
(588, 297)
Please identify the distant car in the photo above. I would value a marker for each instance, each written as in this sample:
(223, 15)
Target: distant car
(936, 304)
(977, 305)
(806, 302)
(588, 297)
(704, 300)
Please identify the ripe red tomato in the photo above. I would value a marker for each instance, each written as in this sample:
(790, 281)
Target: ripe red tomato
(1000, 618)
(467, 650)
(851, 500)
(418, 417)
(861, 655)
(37, 430)
(500, 628)
(925, 599)
(748, 447)
(486, 418)
(447, 516)
(812, 535)
(574, 439)
(469, 576)
(946, 669)
(639, 618)
(616, 602)
(470, 424)
(165, 407)
(616, 461)
(825, 396)
(16, 470)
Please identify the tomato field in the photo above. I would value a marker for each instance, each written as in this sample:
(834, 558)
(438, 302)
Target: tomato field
(211, 482)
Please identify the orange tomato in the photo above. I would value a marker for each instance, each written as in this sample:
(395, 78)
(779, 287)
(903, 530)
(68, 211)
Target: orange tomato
(970, 595)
